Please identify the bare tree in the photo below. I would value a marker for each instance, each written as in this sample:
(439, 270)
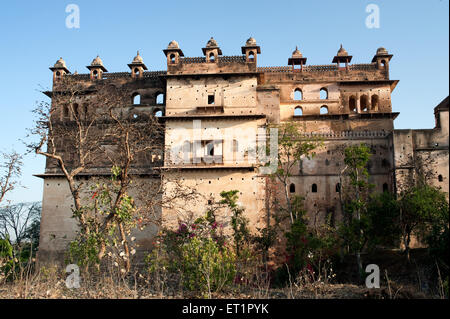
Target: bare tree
(15, 220)
(94, 131)
(67, 133)
(135, 138)
(10, 171)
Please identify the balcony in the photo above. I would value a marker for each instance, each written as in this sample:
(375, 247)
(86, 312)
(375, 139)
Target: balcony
(210, 109)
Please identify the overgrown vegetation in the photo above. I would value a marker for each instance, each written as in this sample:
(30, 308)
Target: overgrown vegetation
(214, 255)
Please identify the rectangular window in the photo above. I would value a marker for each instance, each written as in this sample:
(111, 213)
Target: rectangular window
(208, 148)
(210, 99)
(210, 151)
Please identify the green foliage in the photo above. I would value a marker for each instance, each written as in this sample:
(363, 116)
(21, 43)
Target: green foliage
(307, 250)
(32, 233)
(378, 224)
(356, 158)
(383, 215)
(83, 251)
(421, 205)
(265, 239)
(6, 258)
(296, 247)
(293, 145)
(424, 211)
(435, 231)
(6, 249)
(198, 252)
(239, 223)
(110, 207)
(356, 197)
(437, 239)
(205, 266)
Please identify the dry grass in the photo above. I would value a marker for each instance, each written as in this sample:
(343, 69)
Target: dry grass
(49, 283)
(397, 282)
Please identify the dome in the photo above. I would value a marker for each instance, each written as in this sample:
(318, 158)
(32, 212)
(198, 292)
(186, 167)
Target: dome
(61, 64)
(173, 45)
(211, 43)
(382, 51)
(296, 53)
(138, 59)
(250, 42)
(97, 62)
(342, 52)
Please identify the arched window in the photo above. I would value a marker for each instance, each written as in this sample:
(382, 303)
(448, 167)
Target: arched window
(136, 71)
(136, 99)
(209, 148)
(385, 187)
(212, 57)
(251, 56)
(323, 109)
(440, 178)
(158, 113)
(338, 187)
(323, 94)
(298, 111)
(364, 103)
(298, 95)
(292, 188)
(383, 63)
(172, 58)
(95, 74)
(314, 188)
(160, 98)
(352, 104)
(374, 102)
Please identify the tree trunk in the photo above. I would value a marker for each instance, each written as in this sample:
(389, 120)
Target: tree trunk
(288, 202)
(358, 217)
(101, 252)
(358, 261)
(407, 250)
(125, 247)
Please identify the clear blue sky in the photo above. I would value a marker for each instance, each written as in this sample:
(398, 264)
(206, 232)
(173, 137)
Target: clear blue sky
(34, 36)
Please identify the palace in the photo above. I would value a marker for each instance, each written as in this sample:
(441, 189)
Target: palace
(213, 107)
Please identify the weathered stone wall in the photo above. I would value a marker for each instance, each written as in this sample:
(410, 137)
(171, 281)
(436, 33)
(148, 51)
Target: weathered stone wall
(209, 183)
(218, 94)
(424, 151)
(236, 94)
(59, 228)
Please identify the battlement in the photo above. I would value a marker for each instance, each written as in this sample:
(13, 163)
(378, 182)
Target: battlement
(214, 63)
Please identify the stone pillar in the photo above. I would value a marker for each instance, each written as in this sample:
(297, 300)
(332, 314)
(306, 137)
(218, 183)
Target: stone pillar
(358, 102)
